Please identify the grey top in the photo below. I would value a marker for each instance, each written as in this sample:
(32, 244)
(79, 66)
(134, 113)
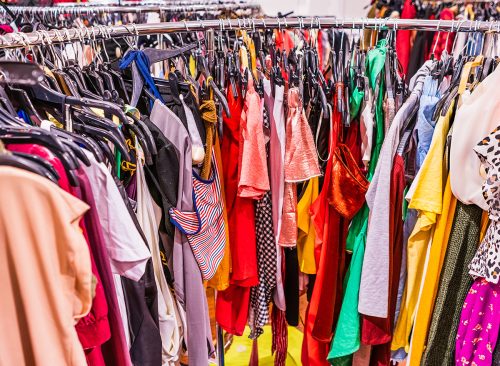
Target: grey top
(374, 287)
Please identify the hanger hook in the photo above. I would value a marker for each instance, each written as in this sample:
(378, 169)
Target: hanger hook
(264, 23)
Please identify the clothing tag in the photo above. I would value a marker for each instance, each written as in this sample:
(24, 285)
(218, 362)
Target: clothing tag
(46, 125)
(68, 118)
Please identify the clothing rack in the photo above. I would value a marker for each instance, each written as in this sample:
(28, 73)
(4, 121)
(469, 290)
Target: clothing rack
(16, 40)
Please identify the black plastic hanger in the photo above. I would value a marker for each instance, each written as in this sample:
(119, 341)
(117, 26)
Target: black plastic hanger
(19, 161)
(202, 68)
(82, 140)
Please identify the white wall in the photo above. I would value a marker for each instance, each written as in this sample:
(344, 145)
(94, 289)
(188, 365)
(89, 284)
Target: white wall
(338, 8)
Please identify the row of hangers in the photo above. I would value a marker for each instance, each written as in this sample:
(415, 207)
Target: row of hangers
(100, 86)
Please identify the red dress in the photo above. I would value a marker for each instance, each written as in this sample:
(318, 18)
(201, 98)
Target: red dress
(232, 304)
(326, 300)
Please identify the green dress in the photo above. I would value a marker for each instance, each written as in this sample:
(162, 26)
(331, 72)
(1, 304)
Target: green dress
(346, 340)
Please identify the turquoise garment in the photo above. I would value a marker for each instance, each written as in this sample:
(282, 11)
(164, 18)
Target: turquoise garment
(347, 336)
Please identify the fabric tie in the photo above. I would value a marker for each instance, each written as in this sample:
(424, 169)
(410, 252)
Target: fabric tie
(142, 63)
(209, 116)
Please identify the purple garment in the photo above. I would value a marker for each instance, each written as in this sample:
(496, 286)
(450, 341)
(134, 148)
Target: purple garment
(132, 188)
(479, 325)
(115, 351)
(187, 276)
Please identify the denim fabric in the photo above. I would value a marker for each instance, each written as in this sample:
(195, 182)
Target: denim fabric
(424, 128)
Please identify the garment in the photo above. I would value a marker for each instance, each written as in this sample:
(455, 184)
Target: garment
(204, 227)
(479, 324)
(439, 245)
(233, 303)
(367, 125)
(454, 284)
(326, 298)
(276, 110)
(220, 281)
(301, 164)
(486, 262)
(188, 281)
(403, 42)
(464, 162)
(377, 331)
(424, 129)
(260, 296)
(170, 326)
(427, 197)
(93, 329)
(208, 113)
(127, 251)
(306, 236)
(291, 286)
(253, 177)
(349, 318)
(45, 219)
(116, 350)
(374, 286)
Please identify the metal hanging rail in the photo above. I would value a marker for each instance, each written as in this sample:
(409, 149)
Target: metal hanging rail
(16, 40)
(153, 2)
(99, 9)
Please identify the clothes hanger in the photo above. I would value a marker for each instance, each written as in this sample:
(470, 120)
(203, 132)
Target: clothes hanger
(21, 135)
(39, 161)
(81, 140)
(202, 69)
(103, 134)
(20, 161)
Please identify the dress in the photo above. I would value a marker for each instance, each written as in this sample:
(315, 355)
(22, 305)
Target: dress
(479, 324)
(233, 303)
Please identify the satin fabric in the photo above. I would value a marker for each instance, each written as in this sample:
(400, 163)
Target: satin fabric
(301, 164)
(232, 304)
(331, 232)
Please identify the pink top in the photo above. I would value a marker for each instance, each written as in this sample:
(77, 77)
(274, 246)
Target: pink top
(301, 164)
(253, 175)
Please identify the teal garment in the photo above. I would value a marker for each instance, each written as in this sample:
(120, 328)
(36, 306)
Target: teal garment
(355, 102)
(347, 336)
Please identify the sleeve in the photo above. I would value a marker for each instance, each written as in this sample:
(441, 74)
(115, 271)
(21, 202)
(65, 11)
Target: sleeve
(78, 256)
(126, 249)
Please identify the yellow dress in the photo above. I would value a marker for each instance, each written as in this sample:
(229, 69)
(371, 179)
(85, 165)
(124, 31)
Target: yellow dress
(427, 199)
(307, 235)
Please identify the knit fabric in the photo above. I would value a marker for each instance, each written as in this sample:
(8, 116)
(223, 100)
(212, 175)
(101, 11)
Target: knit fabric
(454, 284)
(209, 115)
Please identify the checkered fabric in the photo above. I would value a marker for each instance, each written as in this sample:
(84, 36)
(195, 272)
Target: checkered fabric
(260, 296)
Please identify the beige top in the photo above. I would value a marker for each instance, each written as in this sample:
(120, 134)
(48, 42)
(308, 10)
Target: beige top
(45, 272)
(475, 118)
